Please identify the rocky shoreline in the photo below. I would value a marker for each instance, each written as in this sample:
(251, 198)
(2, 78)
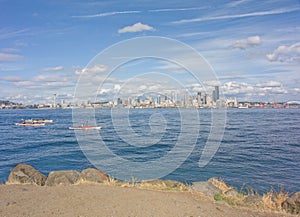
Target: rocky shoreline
(213, 189)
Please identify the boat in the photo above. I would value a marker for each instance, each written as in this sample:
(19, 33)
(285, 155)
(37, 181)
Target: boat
(32, 124)
(38, 121)
(243, 107)
(85, 127)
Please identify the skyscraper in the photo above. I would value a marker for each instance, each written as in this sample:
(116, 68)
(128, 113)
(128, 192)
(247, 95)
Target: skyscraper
(217, 93)
(199, 98)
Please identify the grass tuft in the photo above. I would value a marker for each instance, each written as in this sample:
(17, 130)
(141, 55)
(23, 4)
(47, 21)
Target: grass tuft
(164, 185)
(220, 184)
(274, 200)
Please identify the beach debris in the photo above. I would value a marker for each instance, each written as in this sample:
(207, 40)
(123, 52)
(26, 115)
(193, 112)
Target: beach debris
(26, 174)
(62, 177)
(91, 175)
(292, 204)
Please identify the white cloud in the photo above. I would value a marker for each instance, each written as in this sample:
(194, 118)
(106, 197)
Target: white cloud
(269, 84)
(285, 53)
(235, 88)
(25, 84)
(92, 70)
(252, 14)
(6, 57)
(117, 87)
(53, 69)
(138, 27)
(248, 42)
(49, 78)
(248, 91)
(296, 89)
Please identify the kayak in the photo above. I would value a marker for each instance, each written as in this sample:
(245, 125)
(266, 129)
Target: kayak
(85, 128)
(39, 121)
(30, 124)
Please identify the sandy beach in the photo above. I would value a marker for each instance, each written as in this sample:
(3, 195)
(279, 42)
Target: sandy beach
(105, 200)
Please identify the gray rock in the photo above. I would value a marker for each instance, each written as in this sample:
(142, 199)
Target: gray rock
(93, 175)
(26, 174)
(255, 198)
(292, 204)
(206, 187)
(232, 193)
(63, 177)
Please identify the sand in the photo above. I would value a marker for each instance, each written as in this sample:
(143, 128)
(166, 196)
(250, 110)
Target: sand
(104, 200)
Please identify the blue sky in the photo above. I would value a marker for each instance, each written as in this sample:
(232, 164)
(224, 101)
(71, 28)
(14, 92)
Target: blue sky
(253, 46)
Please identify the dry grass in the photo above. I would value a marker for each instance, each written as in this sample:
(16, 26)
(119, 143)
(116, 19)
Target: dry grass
(273, 200)
(159, 185)
(270, 201)
(163, 185)
(220, 184)
(247, 190)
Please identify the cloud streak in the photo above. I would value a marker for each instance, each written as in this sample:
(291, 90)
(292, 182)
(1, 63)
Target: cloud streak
(236, 3)
(4, 34)
(234, 16)
(176, 9)
(53, 69)
(5, 57)
(113, 13)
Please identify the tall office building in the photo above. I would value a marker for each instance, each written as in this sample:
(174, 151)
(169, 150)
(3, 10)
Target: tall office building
(213, 95)
(199, 98)
(217, 93)
(158, 99)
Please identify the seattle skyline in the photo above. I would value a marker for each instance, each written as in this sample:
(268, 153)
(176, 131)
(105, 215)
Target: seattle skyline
(253, 46)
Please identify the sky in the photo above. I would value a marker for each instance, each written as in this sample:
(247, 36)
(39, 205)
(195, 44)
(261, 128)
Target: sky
(252, 46)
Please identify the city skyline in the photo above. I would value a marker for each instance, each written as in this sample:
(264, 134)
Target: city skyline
(167, 100)
(252, 46)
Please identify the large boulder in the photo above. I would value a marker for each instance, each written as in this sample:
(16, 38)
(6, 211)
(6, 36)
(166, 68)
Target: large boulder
(63, 177)
(292, 204)
(92, 175)
(206, 188)
(26, 174)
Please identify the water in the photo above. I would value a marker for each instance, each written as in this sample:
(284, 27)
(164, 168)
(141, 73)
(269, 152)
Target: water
(260, 148)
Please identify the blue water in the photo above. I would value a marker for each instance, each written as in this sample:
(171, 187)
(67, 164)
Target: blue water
(260, 147)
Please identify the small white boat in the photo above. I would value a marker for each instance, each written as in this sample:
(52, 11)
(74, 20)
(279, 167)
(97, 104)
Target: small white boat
(33, 124)
(39, 121)
(85, 127)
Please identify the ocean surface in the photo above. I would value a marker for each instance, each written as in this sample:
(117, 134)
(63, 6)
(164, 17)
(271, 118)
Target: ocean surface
(260, 147)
